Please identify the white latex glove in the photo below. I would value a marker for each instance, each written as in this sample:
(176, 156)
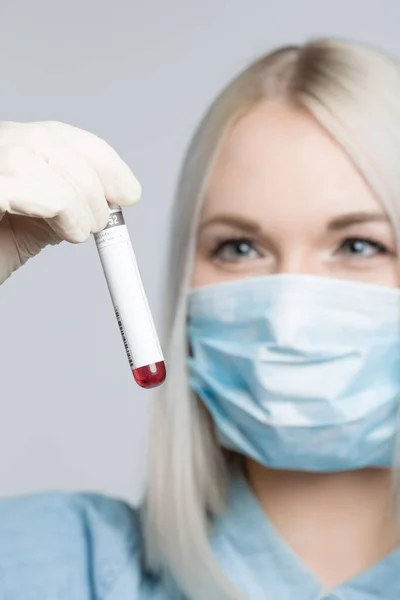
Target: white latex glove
(56, 182)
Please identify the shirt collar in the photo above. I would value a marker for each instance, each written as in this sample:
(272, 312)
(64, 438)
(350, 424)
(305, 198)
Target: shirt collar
(260, 562)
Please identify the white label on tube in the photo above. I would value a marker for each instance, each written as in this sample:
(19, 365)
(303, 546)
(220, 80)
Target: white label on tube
(127, 293)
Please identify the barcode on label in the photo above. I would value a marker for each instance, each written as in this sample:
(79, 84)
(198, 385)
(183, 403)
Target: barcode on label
(124, 338)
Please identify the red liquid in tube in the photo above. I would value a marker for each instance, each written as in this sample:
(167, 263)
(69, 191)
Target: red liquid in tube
(150, 376)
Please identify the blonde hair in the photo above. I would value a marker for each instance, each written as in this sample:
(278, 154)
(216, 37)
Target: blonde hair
(353, 91)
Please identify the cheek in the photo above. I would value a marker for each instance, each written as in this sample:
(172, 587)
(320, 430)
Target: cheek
(203, 272)
(207, 272)
(388, 276)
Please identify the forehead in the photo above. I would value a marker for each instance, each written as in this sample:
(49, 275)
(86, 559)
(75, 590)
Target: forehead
(277, 159)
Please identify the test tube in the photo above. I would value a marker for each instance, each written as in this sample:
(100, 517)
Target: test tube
(130, 303)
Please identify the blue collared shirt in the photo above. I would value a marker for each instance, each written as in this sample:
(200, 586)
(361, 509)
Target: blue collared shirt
(88, 547)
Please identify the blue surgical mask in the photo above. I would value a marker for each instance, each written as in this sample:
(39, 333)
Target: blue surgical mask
(299, 372)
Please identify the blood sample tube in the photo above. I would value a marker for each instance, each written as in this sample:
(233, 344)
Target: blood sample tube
(130, 303)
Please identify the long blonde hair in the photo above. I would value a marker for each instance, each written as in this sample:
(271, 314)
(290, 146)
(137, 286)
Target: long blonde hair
(353, 91)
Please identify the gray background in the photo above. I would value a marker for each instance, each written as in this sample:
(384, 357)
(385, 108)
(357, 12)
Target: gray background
(138, 73)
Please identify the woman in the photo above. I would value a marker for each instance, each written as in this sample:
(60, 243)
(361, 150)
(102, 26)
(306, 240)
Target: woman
(270, 472)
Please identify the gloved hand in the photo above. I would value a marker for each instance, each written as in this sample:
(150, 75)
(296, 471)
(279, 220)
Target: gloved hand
(56, 183)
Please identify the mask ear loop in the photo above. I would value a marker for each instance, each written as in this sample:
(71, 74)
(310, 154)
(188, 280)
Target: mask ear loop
(395, 481)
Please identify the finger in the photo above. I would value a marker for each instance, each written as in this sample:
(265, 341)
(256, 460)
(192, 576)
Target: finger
(49, 198)
(23, 162)
(120, 185)
(64, 166)
(20, 239)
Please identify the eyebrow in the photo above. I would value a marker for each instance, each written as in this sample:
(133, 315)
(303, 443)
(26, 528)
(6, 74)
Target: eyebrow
(336, 224)
(234, 221)
(356, 218)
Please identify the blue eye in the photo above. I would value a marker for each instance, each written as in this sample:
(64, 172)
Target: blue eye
(235, 249)
(362, 247)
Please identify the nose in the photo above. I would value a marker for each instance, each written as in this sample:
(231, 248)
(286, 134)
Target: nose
(285, 320)
(287, 315)
(299, 262)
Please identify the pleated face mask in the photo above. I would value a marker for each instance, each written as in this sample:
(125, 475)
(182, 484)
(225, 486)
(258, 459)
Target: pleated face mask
(299, 372)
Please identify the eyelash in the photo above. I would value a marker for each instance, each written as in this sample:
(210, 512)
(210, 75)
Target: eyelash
(377, 246)
(380, 248)
(231, 242)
